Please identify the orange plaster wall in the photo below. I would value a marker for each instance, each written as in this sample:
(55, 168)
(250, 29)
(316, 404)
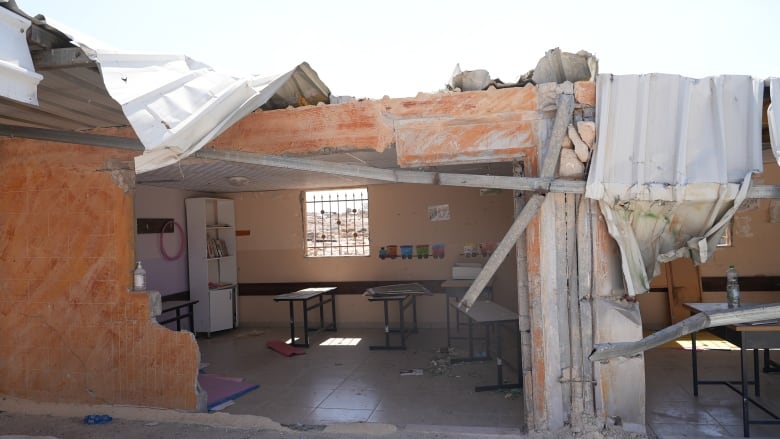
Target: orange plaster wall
(430, 129)
(72, 332)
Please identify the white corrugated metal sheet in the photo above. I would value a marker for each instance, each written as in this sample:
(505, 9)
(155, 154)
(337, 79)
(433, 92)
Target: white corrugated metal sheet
(773, 117)
(672, 164)
(177, 105)
(18, 80)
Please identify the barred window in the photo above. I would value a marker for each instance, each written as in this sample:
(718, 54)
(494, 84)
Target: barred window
(336, 222)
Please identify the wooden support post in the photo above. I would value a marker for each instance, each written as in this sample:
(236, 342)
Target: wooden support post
(585, 223)
(523, 305)
(575, 331)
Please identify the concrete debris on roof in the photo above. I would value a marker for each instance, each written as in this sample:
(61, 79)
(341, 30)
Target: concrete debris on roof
(469, 80)
(554, 66)
(557, 66)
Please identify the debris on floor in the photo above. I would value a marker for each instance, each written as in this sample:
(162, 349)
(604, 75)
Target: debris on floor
(252, 333)
(513, 393)
(97, 419)
(439, 366)
(411, 372)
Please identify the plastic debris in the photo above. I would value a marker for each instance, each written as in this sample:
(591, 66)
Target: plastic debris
(97, 419)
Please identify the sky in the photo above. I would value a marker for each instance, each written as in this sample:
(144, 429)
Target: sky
(371, 49)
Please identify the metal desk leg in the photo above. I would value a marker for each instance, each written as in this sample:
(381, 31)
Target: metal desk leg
(192, 318)
(322, 314)
(178, 319)
(694, 365)
(333, 308)
(387, 324)
(471, 338)
(499, 364)
(306, 323)
(401, 321)
(292, 323)
(756, 376)
(447, 310)
(519, 356)
(414, 313)
(745, 411)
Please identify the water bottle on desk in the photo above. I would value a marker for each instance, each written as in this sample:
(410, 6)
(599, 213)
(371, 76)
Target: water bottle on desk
(732, 287)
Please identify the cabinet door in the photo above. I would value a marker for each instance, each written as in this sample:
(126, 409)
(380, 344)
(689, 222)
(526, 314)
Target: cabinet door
(221, 309)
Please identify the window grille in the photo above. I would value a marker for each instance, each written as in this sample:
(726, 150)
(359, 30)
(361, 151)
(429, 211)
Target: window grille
(337, 222)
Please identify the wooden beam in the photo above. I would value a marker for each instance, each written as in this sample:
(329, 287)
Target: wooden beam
(498, 256)
(397, 175)
(67, 57)
(559, 130)
(697, 322)
(71, 137)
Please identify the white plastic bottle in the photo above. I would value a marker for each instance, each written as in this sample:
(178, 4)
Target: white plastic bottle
(732, 287)
(139, 277)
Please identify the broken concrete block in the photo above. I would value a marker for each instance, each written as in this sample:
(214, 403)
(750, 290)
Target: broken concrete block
(570, 166)
(469, 80)
(587, 132)
(585, 93)
(567, 141)
(557, 66)
(582, 151)
(547, 94)
(580, 148)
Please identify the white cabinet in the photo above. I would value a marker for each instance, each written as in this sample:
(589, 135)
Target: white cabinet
(211, 249)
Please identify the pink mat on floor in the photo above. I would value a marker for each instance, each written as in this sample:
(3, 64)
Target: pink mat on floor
(284, 349)
(221, 389)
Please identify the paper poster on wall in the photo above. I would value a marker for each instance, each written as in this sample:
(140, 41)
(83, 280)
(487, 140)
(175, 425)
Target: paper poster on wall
(439, 212)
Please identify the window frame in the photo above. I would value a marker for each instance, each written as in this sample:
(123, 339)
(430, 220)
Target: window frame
(309, 236)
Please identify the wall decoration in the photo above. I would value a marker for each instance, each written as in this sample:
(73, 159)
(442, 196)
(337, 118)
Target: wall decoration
(439, 212)
(438, 251)
(487, 248)
(409, 251)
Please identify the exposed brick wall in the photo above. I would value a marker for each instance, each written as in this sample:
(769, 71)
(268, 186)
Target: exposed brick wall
(69, 329)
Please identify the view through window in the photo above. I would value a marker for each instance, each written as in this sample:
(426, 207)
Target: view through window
(337, 222)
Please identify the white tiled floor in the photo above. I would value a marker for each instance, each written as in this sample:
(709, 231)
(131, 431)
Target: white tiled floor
(673, 411)
(355, 384)
(331, 384)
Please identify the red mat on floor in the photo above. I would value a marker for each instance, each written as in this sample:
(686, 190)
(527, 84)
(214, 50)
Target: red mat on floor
(221, 389)
(284, 349)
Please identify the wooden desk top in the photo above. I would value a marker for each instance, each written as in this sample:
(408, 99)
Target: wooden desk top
(304, 294)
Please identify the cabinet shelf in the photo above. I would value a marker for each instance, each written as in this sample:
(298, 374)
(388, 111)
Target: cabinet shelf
(213, 270)
(217, 258)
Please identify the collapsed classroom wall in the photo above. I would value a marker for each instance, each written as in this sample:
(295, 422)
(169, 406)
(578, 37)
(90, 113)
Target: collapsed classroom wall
(72, 332)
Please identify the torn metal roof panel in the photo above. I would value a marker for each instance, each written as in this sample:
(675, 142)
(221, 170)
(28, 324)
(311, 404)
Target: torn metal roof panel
(175, 104)
(672, 164)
